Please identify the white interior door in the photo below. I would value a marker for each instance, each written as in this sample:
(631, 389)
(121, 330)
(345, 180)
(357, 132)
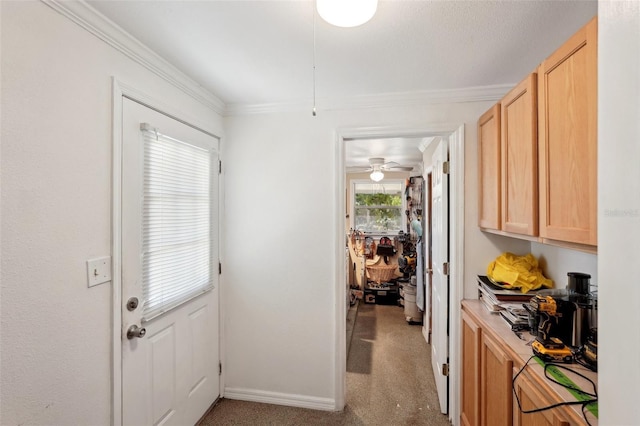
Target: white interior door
(170, 372)
(440, 278)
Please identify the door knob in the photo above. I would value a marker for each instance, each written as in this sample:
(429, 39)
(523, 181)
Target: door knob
(135, 331)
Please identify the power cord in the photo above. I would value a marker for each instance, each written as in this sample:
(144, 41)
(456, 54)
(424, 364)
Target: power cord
(583, 404)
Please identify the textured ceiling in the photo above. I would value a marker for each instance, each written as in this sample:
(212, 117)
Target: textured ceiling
(252, 53)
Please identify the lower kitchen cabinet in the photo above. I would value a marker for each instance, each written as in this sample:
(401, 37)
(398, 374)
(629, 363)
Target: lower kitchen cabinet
(470, 409)
(530, 398)
(496, 402)
(491, 357)
(486, 378)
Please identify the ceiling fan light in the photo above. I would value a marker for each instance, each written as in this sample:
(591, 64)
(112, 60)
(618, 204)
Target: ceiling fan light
(376, 176)
(346, 13)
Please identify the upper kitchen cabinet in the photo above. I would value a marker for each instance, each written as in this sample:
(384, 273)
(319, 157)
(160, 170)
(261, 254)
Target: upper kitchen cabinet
(489, 183)
(567, 140)
(519, 159)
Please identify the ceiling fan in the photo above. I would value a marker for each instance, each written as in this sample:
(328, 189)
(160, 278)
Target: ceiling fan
(377, 166)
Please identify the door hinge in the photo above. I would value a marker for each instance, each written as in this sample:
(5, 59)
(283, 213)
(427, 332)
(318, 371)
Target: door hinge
(219, 369)
(446, 168)
(219, 268)
(445, 268)
(219, 167)
(445, 370)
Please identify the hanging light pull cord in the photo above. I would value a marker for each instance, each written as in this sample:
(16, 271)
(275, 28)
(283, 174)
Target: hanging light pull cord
(313, 111)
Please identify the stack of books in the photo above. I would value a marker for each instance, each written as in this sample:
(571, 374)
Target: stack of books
(507, 303)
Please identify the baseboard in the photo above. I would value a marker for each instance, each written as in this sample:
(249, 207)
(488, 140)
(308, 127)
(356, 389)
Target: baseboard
(276, 398)
(425, 334)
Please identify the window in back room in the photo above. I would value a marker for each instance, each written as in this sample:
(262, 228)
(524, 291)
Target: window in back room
(378, 206)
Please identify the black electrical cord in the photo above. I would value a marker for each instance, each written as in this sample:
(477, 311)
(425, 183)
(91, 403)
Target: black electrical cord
(580, 360)
(583, 404)
(563, 367)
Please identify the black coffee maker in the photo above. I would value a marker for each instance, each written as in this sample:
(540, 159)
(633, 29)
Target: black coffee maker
(578, 283)
(585, 316)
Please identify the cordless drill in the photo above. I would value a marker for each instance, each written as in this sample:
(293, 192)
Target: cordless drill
(547, 345)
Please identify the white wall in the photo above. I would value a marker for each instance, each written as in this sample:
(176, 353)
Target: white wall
(280, 289)
(619, 211)
(56, 213)
(555, 262)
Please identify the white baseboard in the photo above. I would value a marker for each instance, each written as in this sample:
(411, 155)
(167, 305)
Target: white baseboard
(277, 398)
(425, 334)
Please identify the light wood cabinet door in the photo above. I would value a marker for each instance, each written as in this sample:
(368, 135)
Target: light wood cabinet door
(489, 184)
(520, 159)
(496, 369)
(470, 408)
(567, 114)
(530, 399)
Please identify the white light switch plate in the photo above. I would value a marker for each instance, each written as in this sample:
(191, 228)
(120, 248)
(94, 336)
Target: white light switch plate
(98, 270)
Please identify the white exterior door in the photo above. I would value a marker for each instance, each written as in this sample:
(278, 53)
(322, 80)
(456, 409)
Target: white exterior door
(169, 372)
(440, 279)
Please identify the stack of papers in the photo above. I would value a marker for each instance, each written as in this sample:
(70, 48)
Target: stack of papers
(508, 303)
(515, 314)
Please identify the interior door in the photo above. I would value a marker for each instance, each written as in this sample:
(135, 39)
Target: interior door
(440, 278)
(170, 362)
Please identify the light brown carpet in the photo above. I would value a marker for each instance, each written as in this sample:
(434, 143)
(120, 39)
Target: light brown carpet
(389, 381)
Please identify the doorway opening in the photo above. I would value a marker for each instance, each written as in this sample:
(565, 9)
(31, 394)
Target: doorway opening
(364, 144)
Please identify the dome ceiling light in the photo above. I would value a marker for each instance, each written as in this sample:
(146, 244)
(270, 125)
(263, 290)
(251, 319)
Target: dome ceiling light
(346, 13)
(377, 174)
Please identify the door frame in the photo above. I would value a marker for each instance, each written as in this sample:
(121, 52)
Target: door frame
(426, 319)
(455, 132)
(120, 90)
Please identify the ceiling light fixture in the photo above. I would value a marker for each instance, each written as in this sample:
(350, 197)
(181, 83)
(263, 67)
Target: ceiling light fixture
(346, 13)
(376, 175)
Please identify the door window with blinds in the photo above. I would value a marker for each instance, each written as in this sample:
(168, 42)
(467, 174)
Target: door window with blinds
(177, 207)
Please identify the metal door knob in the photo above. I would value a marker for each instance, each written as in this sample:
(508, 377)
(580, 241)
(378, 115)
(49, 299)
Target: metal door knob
(135, 331)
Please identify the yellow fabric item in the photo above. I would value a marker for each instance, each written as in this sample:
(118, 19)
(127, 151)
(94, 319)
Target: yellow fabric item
(518, 272)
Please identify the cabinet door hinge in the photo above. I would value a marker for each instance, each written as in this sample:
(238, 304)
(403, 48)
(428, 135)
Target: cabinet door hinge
(219, 268)
(445, 268)
(446, 168)
(445, 370)
(219, 369)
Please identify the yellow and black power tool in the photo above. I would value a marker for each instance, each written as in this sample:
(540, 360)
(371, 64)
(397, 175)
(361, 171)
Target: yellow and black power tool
(407, 263)
(551, 333)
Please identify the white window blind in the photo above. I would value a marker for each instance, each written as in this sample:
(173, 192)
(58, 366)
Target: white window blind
(176, 223)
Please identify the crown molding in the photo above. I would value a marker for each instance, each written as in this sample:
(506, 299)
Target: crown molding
(106, 30)
(402, 99)
(424, 144)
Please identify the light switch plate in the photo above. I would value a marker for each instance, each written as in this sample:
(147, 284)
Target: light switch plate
(98, 270)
